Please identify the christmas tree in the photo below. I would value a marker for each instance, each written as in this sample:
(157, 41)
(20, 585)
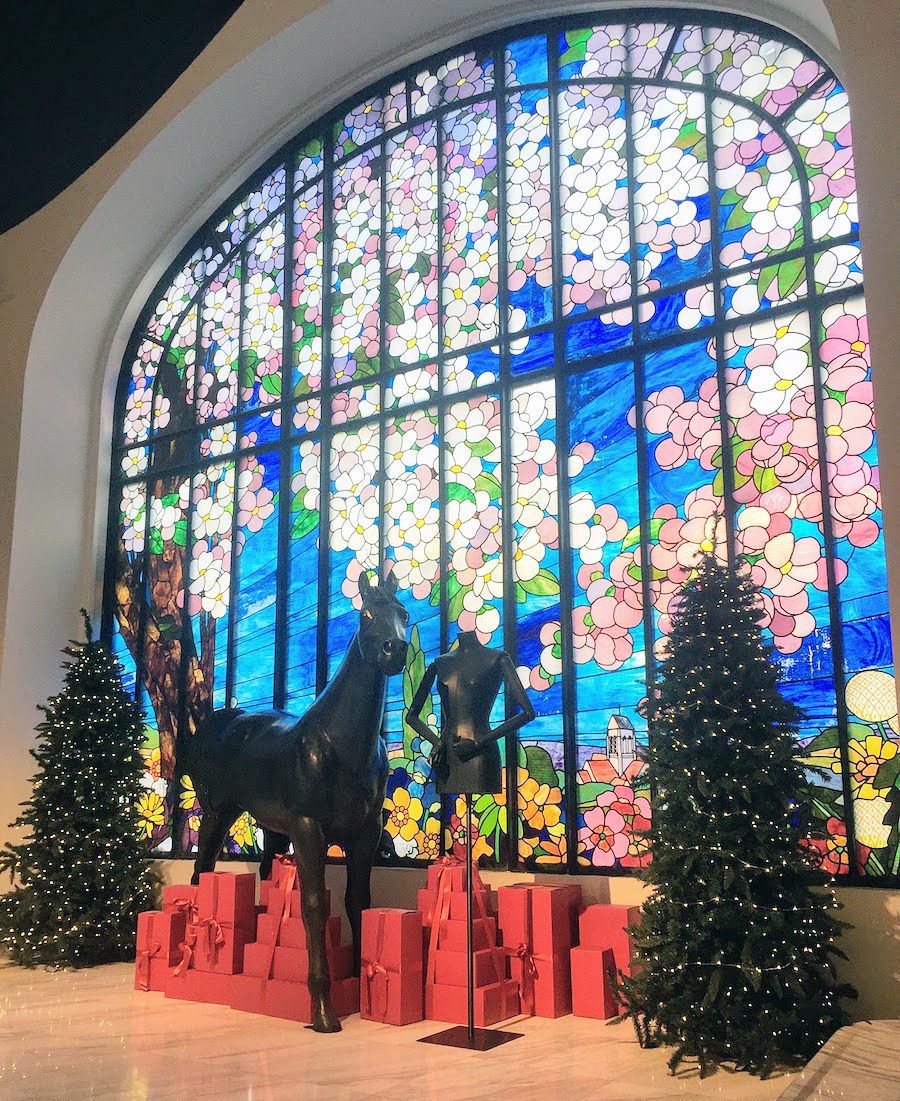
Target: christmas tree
(83, 874)
(734, 950)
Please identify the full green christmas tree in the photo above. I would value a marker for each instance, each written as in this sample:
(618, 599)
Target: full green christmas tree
(83, 873)
(734, 949)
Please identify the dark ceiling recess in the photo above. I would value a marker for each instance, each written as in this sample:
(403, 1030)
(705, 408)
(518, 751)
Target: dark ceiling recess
(77, 76)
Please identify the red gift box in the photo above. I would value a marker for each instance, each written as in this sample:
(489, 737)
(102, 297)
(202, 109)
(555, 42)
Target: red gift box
(270, 899)
(493, 1003)
(392, 937)
(452, 872)
(180, 896)
(200, 986)
(228, 897)
(545, 987)
(451, 968)
(291, 931)
(545, 917)
(592, 989)
(248, 993)
(159, 939)
(392, 983)
(427, 904)
(606, 926)
(292, 964)
(292, 1001)
(452, 935)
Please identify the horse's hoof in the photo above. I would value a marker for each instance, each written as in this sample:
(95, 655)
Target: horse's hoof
(325, 1020)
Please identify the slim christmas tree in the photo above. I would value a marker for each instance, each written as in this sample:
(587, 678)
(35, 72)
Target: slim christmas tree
(734, 949)
(83, 874)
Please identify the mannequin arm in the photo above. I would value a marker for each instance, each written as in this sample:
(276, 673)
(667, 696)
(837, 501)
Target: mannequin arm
(466, 750)
(418, 702)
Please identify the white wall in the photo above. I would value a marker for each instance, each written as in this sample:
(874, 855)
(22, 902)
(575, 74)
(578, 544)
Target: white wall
(74, 277)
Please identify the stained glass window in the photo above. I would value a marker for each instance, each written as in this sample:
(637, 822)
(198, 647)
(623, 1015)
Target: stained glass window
(517, 325)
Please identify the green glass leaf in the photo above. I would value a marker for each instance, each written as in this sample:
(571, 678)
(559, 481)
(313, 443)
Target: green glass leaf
(488, 484)
(457, 492)
(577, 43)
(272, 385)
(304, 523)
(887, 774)
(542, 584)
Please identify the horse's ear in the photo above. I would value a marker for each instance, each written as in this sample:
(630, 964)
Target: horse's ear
(390, 585)
(364, 585)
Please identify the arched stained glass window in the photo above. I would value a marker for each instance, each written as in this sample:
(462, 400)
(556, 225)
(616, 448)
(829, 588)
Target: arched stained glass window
(517, 325)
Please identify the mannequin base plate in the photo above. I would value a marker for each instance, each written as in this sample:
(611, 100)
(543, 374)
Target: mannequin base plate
(483, 1040)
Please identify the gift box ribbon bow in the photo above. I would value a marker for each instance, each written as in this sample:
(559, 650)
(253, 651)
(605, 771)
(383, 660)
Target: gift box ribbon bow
(145, 955)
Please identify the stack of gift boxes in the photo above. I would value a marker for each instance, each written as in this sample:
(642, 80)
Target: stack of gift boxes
(604, 949)
(220, 918)
(212, 943)
(443, 905)
(276, 963)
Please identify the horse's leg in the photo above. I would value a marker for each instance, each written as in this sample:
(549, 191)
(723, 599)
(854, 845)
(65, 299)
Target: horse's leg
(274, 844)
(214, 826)
(309, 852)
(357, 897)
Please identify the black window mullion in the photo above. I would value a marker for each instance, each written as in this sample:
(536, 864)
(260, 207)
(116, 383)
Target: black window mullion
(717, 279)
(327, 429)
(283, 565)
(561, 372)
(510, 604)
(442, 406)
(828, 539)
(383, 361)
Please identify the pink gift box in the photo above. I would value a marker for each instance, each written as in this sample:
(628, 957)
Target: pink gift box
(592, 990)
(427, 903)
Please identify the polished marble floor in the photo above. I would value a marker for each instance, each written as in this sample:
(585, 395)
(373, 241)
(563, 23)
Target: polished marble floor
(68, 1036)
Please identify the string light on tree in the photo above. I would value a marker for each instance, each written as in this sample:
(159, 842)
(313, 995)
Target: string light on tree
(734, 949)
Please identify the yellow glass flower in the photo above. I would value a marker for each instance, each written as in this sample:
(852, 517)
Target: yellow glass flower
(152, 812)
(429, 839)
(404, 815)
(187, 800)
(244, 831)
(866, 756)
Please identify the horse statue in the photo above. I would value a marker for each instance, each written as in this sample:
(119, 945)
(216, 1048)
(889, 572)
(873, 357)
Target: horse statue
(313, 780)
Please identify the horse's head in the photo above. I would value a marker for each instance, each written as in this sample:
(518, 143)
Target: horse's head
(382, 626)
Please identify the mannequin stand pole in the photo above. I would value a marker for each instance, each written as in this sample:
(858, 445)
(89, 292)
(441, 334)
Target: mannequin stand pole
(476, 1039)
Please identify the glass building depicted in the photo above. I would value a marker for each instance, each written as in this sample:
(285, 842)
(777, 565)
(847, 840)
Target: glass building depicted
(529, 325)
